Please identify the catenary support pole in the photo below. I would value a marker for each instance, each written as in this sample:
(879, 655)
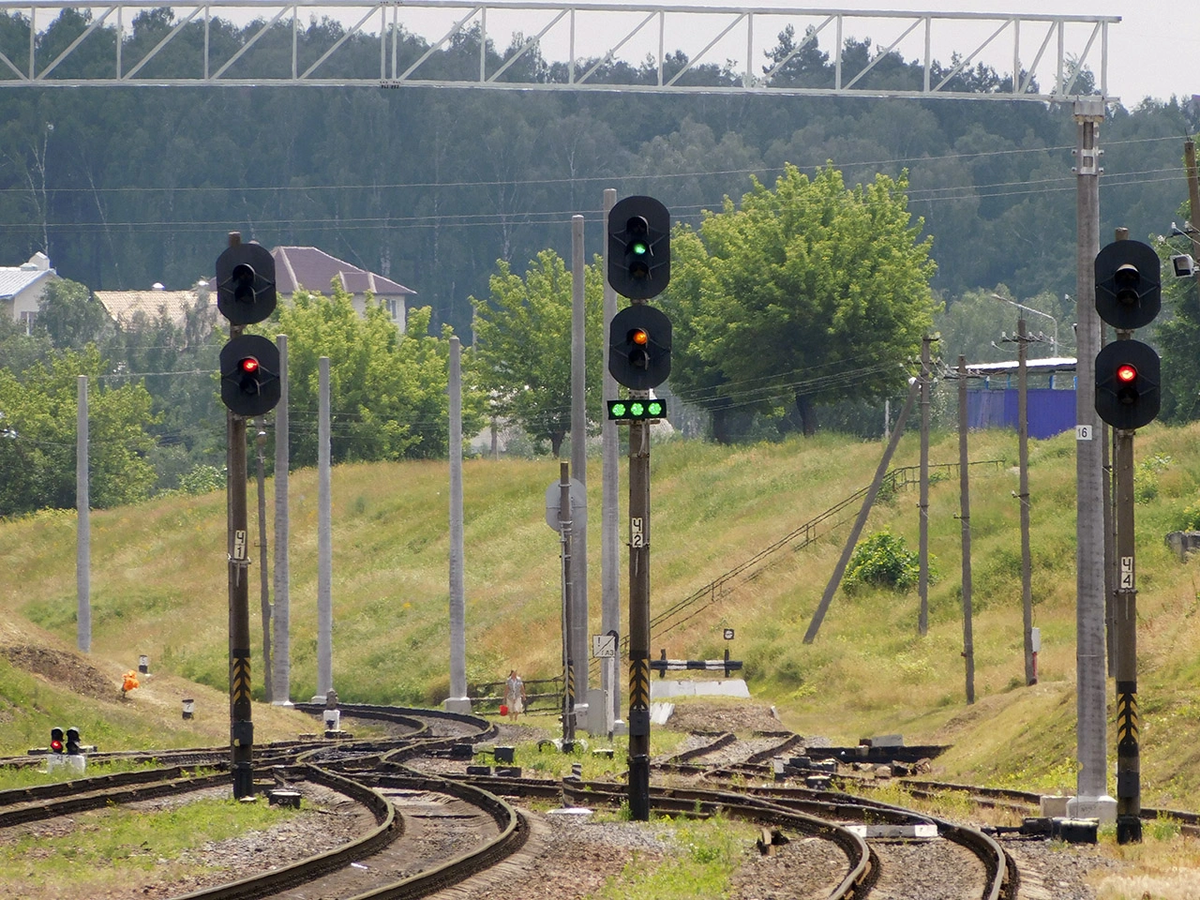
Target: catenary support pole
(1091, 726)
(458, 700)
(324, 540)
(836, 578)
(566, 529)
(579, 597)
(610, 526)
(964, 516)
(83, 536)
(280, 617)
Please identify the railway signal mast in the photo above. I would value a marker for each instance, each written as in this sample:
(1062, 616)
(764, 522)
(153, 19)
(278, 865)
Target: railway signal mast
(249, 387)
(639, 358)
(1128, 296)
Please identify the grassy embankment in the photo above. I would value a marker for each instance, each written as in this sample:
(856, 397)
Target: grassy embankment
(158, 588)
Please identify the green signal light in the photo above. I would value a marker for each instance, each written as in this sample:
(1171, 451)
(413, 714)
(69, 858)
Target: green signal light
(636, 410)
(639, 248)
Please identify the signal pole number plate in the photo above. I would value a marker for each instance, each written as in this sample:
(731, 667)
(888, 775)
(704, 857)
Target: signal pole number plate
(637, 537)
(1127, 573)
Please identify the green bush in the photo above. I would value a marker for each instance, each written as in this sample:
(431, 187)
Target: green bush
(882, 560)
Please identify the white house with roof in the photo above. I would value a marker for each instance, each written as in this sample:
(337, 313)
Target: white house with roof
(315, 270)
(21, 288)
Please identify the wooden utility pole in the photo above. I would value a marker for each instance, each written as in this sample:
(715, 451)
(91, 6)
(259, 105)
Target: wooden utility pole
(814, 626)
(923, 501)
(1023, 497)
(964, 492)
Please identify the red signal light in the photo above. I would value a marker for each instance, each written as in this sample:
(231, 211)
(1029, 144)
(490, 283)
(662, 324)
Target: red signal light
(249, 365)
(1126, 373)
(56, 746)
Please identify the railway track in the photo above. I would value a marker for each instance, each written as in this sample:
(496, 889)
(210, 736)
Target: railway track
(423, 831)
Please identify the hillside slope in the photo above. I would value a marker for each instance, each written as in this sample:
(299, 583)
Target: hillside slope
(159, 588)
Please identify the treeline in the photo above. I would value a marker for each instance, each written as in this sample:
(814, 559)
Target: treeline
(467, 197)
(123, 188)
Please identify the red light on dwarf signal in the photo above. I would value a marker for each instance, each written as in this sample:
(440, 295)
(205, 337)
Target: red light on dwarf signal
(56, 746)
(1126, 373)
(249, 365)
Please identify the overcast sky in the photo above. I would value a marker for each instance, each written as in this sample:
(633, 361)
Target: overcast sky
(1154, 51)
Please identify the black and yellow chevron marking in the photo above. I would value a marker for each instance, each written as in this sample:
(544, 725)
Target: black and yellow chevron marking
(639, 684)
(1127, 718)
(571, 683)
(240, 678)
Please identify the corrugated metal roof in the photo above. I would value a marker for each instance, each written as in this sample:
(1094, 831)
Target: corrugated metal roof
(14, 279)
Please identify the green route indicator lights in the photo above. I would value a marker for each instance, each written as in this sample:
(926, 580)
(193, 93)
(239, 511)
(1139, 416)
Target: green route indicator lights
(636, 410)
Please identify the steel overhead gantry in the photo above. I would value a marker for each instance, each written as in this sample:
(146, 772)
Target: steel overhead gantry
(56, 43)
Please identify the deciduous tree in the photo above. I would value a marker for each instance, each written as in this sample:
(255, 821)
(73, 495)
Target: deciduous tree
(806, 294)
(523, 345)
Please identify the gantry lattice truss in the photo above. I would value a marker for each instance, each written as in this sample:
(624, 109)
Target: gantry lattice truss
(1047, 52)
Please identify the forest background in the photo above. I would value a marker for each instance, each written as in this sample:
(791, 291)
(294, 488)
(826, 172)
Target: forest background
(442, 189)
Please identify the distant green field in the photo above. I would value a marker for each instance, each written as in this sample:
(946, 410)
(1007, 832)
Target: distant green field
(159, 588)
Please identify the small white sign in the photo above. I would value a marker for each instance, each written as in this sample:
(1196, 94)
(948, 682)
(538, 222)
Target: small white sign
(239, 545)
(1127, 573)
(1083, 432)
(636, 536)
(604, 646)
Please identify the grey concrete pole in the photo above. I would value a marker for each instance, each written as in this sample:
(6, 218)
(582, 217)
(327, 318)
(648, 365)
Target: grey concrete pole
(964, 516)
(610, 535)
(1089, 616)
(570, 666)
(280, 618)
(83, 537)
(579, 567)
(458, 700)
(324, 542)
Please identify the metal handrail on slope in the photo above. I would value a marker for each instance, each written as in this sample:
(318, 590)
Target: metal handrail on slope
(895, 479)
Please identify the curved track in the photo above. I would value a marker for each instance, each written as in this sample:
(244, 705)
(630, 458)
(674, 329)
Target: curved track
(423, 832)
